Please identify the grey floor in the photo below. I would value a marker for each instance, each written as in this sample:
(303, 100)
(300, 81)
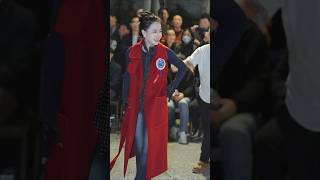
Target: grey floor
(181, 158)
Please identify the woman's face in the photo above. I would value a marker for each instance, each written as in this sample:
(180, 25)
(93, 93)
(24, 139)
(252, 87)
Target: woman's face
(177, 21)
(165, 14)
(170, 36)
(113, 21)
(123, 30)
(135, 24)
(186, 33)
(204, 23)
(153, 34)
(186, 37)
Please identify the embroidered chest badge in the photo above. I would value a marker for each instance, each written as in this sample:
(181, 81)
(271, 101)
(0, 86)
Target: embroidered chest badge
(161, 64)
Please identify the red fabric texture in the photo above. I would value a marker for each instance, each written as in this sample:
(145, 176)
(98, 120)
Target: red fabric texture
(82, 26)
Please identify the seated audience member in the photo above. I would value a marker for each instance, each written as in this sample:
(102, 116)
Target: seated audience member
(270, 156)
(115, 76)
(181, 100)
(170, 37)
(187, 45)
(241, 87)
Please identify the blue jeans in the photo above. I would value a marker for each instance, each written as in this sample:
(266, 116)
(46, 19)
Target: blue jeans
(99, 167)
(183, 106)
(141, 145)
(235, 138)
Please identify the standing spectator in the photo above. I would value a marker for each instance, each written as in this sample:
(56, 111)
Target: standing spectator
(194, 108)
(164, 15)
(200, 30)
(133, 37)
(114, 34)
(130, 39)
(241, 87)
(303, 87)
(201, 58)
(123, 31)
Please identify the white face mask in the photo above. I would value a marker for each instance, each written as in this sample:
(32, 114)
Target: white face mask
(186, 39)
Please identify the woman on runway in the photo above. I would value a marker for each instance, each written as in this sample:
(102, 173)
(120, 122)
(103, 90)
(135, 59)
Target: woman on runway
(145, 94)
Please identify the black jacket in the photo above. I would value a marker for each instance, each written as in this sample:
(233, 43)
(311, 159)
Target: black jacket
(244, 76)
(232, 24)
(122, 47)
(186, 85)
(115, 76)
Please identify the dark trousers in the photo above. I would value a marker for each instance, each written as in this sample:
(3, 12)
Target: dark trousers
(194, 114)
(99, 167)
(270, 152)
(303, 150)
(205, 122)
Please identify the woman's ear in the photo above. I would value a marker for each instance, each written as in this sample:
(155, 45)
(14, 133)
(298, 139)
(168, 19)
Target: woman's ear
(143, 33)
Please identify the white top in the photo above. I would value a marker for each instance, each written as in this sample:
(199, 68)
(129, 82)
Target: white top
(201, 57)
(302, 27)
(134, 39)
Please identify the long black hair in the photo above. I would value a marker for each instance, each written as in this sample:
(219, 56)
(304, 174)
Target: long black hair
(160, 12)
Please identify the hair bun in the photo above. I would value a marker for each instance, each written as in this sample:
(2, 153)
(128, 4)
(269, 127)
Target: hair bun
(146, 18)
(145, 15)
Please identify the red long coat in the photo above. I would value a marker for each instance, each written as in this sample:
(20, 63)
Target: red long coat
(155, 110)
(82, 26)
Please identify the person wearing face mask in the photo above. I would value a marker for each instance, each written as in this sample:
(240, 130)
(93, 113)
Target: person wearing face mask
(186, 39)
(145, 93)
(187, 45)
